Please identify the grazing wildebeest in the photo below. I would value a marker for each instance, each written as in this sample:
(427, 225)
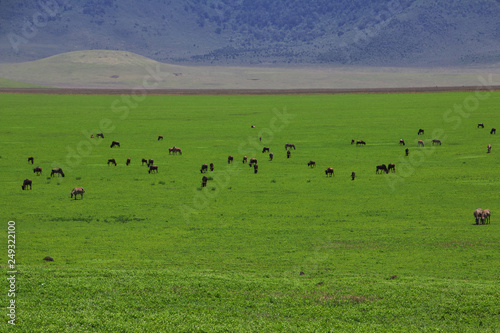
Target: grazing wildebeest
(252, 161)
(204, 168)
(160, 137)
(382, 167)
(407, 151)
(402, 142)
(77, 190)
(153, 168)
(486, 216)
(229, 159)
(288, 153)
(480, 125)
(329, 172)
(311, 164)
(31, 159)
(436, 141)
(244, 159)
(353, 175)
(100, 135)
(151, 162)
(253, 126)
(211, 167)
(91, 136)
(478, 214)
(420, 143)
(260, 138)
(265, 149)
(420, 131)
(27, 182)
(111, 160)
(144, 161)
(204, 181)
(289, 146)
(493, 131)
(392, 167)
(37, 170)
(271, 156)
(352, 141)
(360, 142)
(489, 148)
(58, 171)
(115, 143)
(255, 168)
(128, 161)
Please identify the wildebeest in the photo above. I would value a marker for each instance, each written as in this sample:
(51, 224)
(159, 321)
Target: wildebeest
(27, 182)
(480, 125)
(353, 175)
(58, 171)
(204, 168)
(486, 216)
(360, 142)
(204, 181)
(311, 164)
(115, 143)
(288, 153)
(174, 150)
(153, 168)
(329, 172)
(420, 131)
(489, 148)
(100, 135)
(37, 170)
(493, 131)
(402, 142)
(407, 151)
(352, 141)
(229, 159)
(382, 167)
(265, 149)
(255, 168)
(252, 161)
(160, 137)
(244, 159)
(420, 143)
(211, 167)
(436, 141)
(91, 136)
(392, 167)
(478, 214)
(289, 146)
(31, 159)
(128, 161)
(77, 190)
(151, 162)
(111, 160)
(271, 156)
(253, 126)
(144, 161)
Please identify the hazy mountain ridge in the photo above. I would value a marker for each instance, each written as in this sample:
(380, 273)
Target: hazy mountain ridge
(243, 32)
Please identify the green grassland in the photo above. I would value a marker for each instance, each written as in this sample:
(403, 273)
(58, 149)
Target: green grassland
(158, 253)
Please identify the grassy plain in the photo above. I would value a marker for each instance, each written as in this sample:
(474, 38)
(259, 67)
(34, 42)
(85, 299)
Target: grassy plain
(156, 252)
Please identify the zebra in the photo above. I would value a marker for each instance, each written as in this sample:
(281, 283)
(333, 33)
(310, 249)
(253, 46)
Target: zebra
(37, 170)
(27, 182)
(478, 214)
(77, 190)
(58, 171)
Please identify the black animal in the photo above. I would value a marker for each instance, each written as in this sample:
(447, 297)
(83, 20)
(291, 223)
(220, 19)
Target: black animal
(78, 190)
(112, 161)
(271, 156)
(265, 149)
(493, 131)
(144, 161)
(204, 181)
(128, 161)
(253, 126)
(151, 162)
(402, 142)
(311, 164)
(244, 159)
(407, 151)
(353, 175)
(420, 143)
(58, 171)
(204, 168)
(27, 182)
(360, 142)
(436, 141)
(153, 168)
(230, 159)
(288, 153)
(382, 167)
(174, 150)
(329, 172)
(352, 141)
(420, 131)
(100, 135)
(392, 167)
(289, 146)
(489, 148)
(480, 125)
(115, 143)
(160, 138)
(37, 170)
(211, 167)
(255, 168)
(31, 159)
(252, 161)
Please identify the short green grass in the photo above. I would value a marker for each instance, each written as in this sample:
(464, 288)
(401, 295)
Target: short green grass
(157, 252)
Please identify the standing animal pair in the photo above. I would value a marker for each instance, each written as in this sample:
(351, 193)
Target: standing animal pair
(482, 215)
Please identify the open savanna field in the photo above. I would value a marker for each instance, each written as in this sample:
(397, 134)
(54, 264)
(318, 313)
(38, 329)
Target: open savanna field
(284, 250)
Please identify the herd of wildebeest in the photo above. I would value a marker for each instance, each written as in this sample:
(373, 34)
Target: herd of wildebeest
(481, 216)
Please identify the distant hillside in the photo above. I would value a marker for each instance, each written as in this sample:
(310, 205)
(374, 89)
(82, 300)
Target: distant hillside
(242, 32)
